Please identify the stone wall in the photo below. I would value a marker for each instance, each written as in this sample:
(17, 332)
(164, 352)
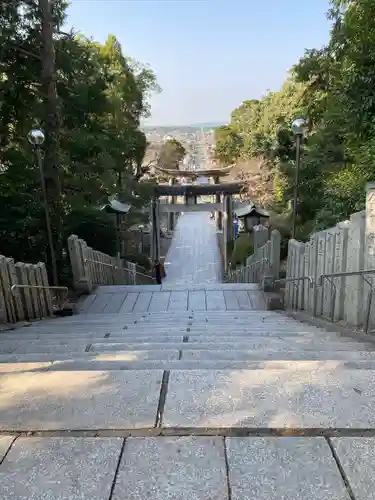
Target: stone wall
(24, 291)
(91, 268)
(347, 248)
(264, 263)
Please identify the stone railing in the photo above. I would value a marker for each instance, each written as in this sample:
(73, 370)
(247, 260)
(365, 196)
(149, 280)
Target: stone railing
(91, 268)
(331, 275)
(25, 293)
(264, 263)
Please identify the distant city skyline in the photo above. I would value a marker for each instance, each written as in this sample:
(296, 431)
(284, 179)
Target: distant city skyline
(208, 55)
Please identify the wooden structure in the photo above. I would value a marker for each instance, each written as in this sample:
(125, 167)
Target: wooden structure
(250, 216)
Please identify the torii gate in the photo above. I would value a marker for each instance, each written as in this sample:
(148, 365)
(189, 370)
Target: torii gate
(214, 174)
(223, 205)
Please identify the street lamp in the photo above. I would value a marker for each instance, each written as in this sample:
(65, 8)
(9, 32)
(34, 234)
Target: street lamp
(298, 129)
(36, 138)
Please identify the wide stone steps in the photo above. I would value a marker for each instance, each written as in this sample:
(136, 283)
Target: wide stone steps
(143, 372)
(90, 364)
(184, 404)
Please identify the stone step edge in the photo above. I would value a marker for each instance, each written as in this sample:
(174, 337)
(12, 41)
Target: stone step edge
(184, 365)
(161, 431)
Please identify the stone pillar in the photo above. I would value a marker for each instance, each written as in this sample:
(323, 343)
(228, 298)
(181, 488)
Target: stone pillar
(155, 230)
(328, 269)
(355, 262)
(152, 230)
(370, 247)
(157, 239)
(321, 244)
(218, 215)
(229, 217)
(339, 266)
(225, 235)
(275, 253)
(171, 215)
(312, 265)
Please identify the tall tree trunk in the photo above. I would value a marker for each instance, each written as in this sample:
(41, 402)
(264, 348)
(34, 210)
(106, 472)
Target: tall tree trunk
(51, 125)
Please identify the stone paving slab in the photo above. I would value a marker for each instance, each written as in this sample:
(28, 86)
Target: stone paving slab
(5, 444)
(194, 255)
(79, 400)
(21, 367)
(181, 468)
(52, 349)
(290, 468)
(126, 289)
(357, 457)
(60, 469)
(271, 399)
(190, 353)
(212, 287)
(141, 355)
(219, 352)
(214, 299)
(105, 363)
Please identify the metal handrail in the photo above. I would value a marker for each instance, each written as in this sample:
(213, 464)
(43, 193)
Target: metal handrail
(265, 259)
(114, 266)
(64, 288)
(330, 277)
(345, 274)
(45, 287)
(237, 273)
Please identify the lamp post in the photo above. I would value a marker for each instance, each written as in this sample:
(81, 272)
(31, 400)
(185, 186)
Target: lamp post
(36, 138)
(298, 129)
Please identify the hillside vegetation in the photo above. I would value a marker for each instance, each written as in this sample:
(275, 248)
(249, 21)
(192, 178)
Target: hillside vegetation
(89, 99)
(333, 88)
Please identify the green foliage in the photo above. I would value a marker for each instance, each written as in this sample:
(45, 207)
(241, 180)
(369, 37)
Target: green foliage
(102, 97)
(94, 226)
(171, 154)
(228, 144)
(243, 248)
(333, 89)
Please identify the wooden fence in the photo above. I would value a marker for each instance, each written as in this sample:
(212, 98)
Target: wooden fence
(24, 291)
(91, 268)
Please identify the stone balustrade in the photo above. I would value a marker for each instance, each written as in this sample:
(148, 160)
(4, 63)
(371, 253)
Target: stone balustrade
(24, 291)
(91, 268)
(345, 251)
(265, 261)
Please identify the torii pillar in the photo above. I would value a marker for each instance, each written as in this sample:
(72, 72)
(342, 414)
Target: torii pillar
(171, 215)
(218, 215)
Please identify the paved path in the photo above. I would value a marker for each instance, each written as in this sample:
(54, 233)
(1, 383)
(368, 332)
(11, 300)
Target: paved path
(185, 406)
(194, 255)
(186, 391)
(170, 297)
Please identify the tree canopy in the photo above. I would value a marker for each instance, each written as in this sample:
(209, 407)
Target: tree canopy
(89, 99)
(333, 89)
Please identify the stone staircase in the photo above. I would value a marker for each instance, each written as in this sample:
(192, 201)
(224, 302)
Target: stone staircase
(147, 395)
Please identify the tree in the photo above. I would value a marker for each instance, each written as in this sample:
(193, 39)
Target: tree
(333, 88)
(228, 145)
(89, 101)
(170, 154)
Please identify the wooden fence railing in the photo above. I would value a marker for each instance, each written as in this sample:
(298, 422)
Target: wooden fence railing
(91, 268)
(25, 293)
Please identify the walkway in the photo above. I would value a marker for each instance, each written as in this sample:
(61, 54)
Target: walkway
(194, 255)
(139, 401)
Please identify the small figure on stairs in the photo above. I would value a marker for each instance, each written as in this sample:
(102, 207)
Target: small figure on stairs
(159, 272)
